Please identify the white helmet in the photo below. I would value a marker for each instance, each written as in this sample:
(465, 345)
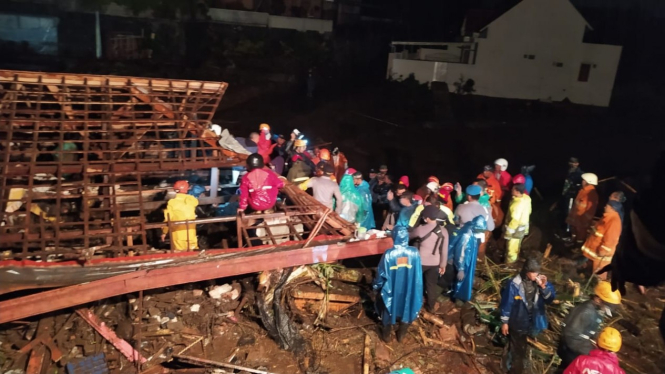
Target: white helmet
(217, 129)
(433, 186)
(590, 178)
(502, 162)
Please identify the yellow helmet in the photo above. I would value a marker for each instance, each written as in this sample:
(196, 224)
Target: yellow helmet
(264, 126)
(610, 339)
(604, 291)
(300, 143)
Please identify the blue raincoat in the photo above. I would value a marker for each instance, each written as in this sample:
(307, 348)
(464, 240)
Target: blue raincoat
(404, 217)
(366, 215)
(399, 281)
(514, 311)
(528, 184)
(464, 249)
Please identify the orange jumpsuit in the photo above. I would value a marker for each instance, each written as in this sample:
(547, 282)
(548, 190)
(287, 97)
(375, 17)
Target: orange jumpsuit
(603, 240)
(582, 212)
(341, 164)
(495, 192)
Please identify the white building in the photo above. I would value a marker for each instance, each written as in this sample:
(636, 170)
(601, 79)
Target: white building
(535, 51)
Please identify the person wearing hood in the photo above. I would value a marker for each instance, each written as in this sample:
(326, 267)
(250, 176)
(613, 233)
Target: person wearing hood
(366, 216)
(582, 324)
(464, 253)
(181, 208)
(517, 222)
(406, 201)
(432, 243)
(278, 154)
(584, 208)
(601, 244)
(528, 183)
(259, 187)
(522, 307)
(601, 360)
(353, 205)
(444, 195)
(399, 284)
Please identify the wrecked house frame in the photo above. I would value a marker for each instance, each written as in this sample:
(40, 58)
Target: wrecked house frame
(85, 159)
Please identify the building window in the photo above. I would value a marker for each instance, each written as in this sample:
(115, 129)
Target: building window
(558, 64)
(529, 57)
(585, 69)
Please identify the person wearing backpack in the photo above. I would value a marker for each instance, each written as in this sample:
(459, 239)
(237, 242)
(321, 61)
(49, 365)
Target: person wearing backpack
(432, 243)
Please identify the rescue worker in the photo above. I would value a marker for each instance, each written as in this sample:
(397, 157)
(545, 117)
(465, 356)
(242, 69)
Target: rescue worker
(340, 163)
(472, 208)
(523, 314)
(324, 189)
(502, 175)
(404, 181)
(620, 197)
(604, 237)
(602, 359)
(353, 205)
(526, 172)
(264, 144)
(582, 324)
(464, 256)
(571, 187)
(394, 206)
(444, 195)
(584, 208)
(517, 222)
(432, 243)
(495, 193)
(259, 187)
(291, 144)
(279, 154)
(367, 216)
(302, 165)
(432, 187)
(181, 208)
(399, 284)
(445, 217)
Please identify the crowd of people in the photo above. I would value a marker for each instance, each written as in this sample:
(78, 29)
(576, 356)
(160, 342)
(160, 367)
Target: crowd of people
(440, 231)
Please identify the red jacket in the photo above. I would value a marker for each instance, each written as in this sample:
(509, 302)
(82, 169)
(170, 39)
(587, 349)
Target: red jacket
(597, 362)
(265, 146)
(505, 180)
(259, 189)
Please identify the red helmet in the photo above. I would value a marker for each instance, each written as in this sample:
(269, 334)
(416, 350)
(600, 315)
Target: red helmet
(433, 179)
(324, 154)
(519, 179)
(350, 171)
(181, 186)
(447, 187)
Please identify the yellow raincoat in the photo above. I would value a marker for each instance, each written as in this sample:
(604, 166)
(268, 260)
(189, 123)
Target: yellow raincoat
(182, 208)
(517, 225)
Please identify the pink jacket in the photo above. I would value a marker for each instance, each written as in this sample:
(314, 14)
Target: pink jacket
(598, 361)
(259, 189)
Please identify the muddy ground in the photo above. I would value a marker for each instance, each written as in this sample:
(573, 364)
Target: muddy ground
(392, 125)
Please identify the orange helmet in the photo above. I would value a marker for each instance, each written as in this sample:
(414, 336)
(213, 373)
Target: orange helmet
(181, 186)
(433, 179)
(264, 126)
(324, 154)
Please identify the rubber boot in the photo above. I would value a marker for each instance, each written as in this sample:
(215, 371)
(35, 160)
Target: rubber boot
(401, 332)
(386, 330)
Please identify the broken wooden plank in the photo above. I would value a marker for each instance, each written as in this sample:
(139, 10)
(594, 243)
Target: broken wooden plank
(298, 294)
(310, 305)
(108, 334)
(209, 363)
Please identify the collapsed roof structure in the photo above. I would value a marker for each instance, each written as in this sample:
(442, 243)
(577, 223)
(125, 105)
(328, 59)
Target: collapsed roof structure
(85, 159)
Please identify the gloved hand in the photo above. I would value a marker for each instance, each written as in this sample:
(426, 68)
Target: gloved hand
(460, 276)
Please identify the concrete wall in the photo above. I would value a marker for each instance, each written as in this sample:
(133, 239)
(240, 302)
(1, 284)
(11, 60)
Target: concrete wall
(239, 17)
(532, 52)
(452, 54)
(300, 24)
(423, 71)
